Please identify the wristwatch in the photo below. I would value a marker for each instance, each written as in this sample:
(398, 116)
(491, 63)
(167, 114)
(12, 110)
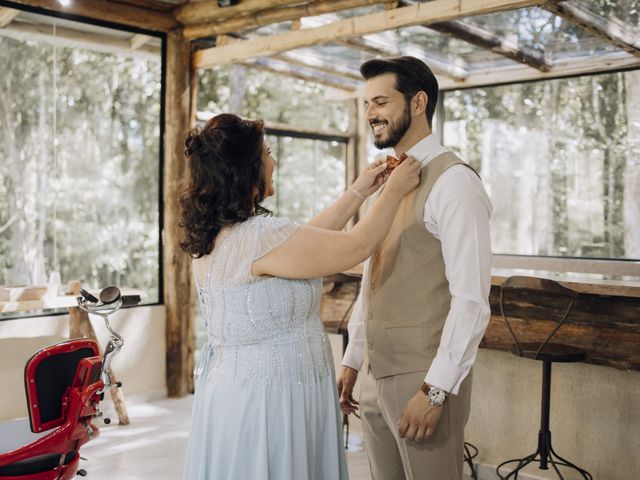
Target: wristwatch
(435, 396)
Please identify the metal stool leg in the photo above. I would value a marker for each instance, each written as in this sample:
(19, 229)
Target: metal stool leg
(544, 454)
(471, 452)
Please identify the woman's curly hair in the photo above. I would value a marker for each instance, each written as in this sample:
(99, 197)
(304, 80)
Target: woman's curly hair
(224, 160)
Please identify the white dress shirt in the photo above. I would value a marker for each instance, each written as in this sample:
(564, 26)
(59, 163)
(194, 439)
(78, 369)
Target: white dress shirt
(457, 212)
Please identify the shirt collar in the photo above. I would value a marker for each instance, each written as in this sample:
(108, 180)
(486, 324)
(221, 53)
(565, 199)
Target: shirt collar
(425, 150)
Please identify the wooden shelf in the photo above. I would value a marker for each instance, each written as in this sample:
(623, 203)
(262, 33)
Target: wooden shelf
(604, 322)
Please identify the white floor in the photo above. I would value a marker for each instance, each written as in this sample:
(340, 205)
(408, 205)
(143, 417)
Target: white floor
(153, 445)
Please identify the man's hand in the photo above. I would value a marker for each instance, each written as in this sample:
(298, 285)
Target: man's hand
(346, 381)
(419, 419)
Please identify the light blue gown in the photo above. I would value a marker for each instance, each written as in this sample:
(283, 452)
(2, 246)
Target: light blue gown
(265, 405)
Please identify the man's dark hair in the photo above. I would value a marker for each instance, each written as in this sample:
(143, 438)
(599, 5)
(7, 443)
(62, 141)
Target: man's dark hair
(412, 76)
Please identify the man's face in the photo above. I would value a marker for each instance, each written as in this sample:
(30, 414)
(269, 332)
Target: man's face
(388, 114)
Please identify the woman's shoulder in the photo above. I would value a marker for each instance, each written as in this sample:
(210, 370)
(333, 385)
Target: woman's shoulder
(268, 223)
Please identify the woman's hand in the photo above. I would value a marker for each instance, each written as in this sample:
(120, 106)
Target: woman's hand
(371, 179)
(405, 177)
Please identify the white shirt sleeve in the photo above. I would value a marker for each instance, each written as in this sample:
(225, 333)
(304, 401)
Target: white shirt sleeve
(457, 212)
(354, 354)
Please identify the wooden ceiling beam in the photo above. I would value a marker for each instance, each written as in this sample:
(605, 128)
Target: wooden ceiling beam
(486, 40)
(110, 12)
(65, 36)
(269, 65)
(314, 63)
(310, 62)
(272, 15)
(208, 10)
(566, 66)
(614, 31)
(138, 40)
(7, 15)
(379, 49)
(422, 13)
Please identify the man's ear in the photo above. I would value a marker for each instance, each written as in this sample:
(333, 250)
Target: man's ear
(419, 103)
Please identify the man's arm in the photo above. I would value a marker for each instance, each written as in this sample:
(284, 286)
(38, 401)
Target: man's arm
(354, 354)
(457, 212)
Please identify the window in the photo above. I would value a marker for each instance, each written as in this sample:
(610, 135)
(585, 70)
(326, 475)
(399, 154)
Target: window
(560, 161)
(309, 176)
(80, 118)
(305, 131)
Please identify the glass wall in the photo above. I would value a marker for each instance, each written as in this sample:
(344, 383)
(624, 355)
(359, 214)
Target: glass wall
(80, 159)
(560, 159)
(309, 176)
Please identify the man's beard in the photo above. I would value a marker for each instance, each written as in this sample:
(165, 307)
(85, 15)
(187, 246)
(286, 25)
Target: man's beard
(396, 130)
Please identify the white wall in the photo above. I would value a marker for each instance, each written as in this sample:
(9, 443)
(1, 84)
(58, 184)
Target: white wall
(595, 414)
(595, 418)
(140, 365)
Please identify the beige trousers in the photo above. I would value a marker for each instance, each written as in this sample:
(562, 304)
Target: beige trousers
(391, 457)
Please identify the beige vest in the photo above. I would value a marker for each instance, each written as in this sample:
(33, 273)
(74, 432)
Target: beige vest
(408, 292)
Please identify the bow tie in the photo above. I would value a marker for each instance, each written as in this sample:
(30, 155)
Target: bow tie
(393, 162)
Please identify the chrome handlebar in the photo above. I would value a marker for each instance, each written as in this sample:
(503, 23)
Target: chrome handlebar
(109, 302)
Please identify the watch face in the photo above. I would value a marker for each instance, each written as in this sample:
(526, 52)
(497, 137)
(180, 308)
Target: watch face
(437, 396)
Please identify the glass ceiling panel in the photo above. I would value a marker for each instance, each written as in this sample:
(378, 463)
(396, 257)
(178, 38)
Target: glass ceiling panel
(541, 30)
(627, 11)
(335, 54)
(531, 29)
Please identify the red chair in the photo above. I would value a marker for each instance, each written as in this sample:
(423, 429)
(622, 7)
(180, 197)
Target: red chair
(63, 386)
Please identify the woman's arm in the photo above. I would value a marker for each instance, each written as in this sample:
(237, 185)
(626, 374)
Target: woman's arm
(336, 216)
(315, 252)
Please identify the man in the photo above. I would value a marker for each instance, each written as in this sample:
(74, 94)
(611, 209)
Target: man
(423, 305)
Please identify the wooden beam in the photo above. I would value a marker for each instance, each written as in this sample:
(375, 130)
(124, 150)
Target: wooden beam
(272, 15)
(177, 285)
(562, 67)
(378, 48)
(484, 39)
(307, 61)
(110, 12)
(422, 13)
(138, 40)
(611, 29)
(284, 129)
(207, 10)
(314, 63)
(7, 15)
(65, 36)
(269, 65)
(605, 326)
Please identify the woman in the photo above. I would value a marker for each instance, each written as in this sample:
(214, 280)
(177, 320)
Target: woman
(266, 405)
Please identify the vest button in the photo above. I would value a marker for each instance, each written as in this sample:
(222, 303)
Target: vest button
(371, 346)
(370, 315)
(373, 285)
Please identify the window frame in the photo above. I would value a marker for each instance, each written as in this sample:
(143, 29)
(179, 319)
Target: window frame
(608, 267)
(161, 147)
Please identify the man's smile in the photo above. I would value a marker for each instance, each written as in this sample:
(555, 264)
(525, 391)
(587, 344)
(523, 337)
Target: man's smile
(378, 126)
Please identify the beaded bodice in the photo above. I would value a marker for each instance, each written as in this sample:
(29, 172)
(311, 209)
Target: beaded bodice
(260, 328)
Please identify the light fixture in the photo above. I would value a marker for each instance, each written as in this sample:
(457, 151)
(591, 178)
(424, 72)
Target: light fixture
(65, 3)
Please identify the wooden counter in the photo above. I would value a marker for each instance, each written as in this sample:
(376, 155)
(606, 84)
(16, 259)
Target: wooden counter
(604, 322)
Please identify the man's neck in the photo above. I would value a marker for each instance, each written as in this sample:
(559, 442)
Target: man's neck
(410, 139)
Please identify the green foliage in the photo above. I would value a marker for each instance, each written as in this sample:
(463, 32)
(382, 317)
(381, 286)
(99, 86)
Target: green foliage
(564, 143)
(273, 98)
(93, 200)
(310, 173)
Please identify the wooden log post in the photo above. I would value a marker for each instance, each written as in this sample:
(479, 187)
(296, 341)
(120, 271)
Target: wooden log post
(80, 327)
(178, 291)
